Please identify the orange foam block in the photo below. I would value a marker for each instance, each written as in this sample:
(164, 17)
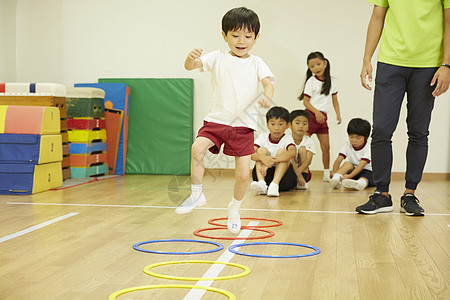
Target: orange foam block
(40, 120)
(86, 160)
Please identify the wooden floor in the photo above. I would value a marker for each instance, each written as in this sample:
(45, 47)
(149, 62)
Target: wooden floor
(87, 253)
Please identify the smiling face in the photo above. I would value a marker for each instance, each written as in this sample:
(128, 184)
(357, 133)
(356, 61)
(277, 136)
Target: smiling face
(317, 67)
(240, 41)
(299, 126)
(277, 127)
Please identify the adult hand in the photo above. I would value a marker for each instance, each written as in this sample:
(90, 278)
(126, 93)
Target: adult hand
(442, 80)
(366, 72)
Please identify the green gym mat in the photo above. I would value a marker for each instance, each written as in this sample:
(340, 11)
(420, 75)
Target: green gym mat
(160, 131)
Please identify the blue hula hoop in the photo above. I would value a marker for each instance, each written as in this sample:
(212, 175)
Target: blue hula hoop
(219, 246)
(317, 250)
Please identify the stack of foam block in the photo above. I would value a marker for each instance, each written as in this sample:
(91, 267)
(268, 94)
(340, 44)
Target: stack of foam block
(30, 149)
(87, 132)
(41, 94)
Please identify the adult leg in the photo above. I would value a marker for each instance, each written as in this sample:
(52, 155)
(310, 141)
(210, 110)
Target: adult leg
(390, 87)
(420, 106)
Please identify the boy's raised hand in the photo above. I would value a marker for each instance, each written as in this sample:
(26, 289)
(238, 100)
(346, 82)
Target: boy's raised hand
(192, 60)
(196, 53)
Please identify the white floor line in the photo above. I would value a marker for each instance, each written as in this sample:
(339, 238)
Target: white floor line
(214, 270)
(211, 208)
(36, 227)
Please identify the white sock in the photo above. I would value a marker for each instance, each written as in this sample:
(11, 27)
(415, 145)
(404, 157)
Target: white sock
(337, 176)
(236, 203)
(196, 190)
(326, 172)
(362, 182)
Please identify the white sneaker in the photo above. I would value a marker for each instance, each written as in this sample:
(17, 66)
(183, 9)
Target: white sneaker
(259, 186)
(302, 187)
(326, 177)
(272, 191)
(234, 218)
(354, 184)
(190, 203)
(335, 183)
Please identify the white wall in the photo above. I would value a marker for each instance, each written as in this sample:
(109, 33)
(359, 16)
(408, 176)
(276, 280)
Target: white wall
(7, 40)
(82, 40)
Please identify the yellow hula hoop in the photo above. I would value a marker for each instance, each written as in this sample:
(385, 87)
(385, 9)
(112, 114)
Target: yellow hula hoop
(148, 272)
(114, 295)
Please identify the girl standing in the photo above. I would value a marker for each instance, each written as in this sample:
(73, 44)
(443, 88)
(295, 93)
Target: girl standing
(319, 91)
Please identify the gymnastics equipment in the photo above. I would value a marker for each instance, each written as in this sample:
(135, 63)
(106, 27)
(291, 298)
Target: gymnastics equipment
(86, 126)
(116, 116)
(40, 94)
(160, 127)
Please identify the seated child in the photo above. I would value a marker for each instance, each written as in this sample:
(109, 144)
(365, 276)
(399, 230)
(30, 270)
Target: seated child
(299, 120)
(356, 171)
(273, 152)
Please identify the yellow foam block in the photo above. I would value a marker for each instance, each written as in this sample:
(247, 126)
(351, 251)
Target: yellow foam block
(2, 118)
(50, 149)
(47, 176)
(86, 136)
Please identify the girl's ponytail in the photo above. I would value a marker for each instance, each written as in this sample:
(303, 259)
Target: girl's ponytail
(308, 75)
(327, 83)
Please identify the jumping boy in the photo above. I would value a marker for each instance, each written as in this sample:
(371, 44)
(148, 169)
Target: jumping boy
(273, 152)
(299, 120)
(232, 118)
(356, 171)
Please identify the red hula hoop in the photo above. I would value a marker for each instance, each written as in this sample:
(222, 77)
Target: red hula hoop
(277, 223)
(270, 234)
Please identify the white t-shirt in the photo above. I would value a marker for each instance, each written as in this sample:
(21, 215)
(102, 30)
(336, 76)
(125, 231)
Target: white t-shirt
(235, 86)
(313, 88)
(264, 141)
(356, 155)
(308, 143)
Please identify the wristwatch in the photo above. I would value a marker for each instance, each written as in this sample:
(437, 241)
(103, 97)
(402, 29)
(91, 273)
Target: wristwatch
(445, 65)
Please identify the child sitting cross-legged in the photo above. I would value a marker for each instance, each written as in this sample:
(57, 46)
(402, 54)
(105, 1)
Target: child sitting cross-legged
(273, 152)
(305, 147)
(356, 171)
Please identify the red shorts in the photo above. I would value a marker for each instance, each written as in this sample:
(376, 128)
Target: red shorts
(316, 127)
(239, 141)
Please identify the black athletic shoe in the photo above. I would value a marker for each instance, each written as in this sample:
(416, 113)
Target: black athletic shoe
(377, 203)
(410, 205)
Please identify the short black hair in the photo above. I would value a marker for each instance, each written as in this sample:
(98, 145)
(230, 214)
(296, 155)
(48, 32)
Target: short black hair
(278, 112)
(240, 18)
(360, 127)
(299, 112)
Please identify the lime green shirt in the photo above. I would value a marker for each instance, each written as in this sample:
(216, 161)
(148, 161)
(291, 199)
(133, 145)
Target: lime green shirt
(413, 34)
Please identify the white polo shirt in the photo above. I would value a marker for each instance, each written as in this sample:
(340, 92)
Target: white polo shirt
(264, 141)
(236, 88)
